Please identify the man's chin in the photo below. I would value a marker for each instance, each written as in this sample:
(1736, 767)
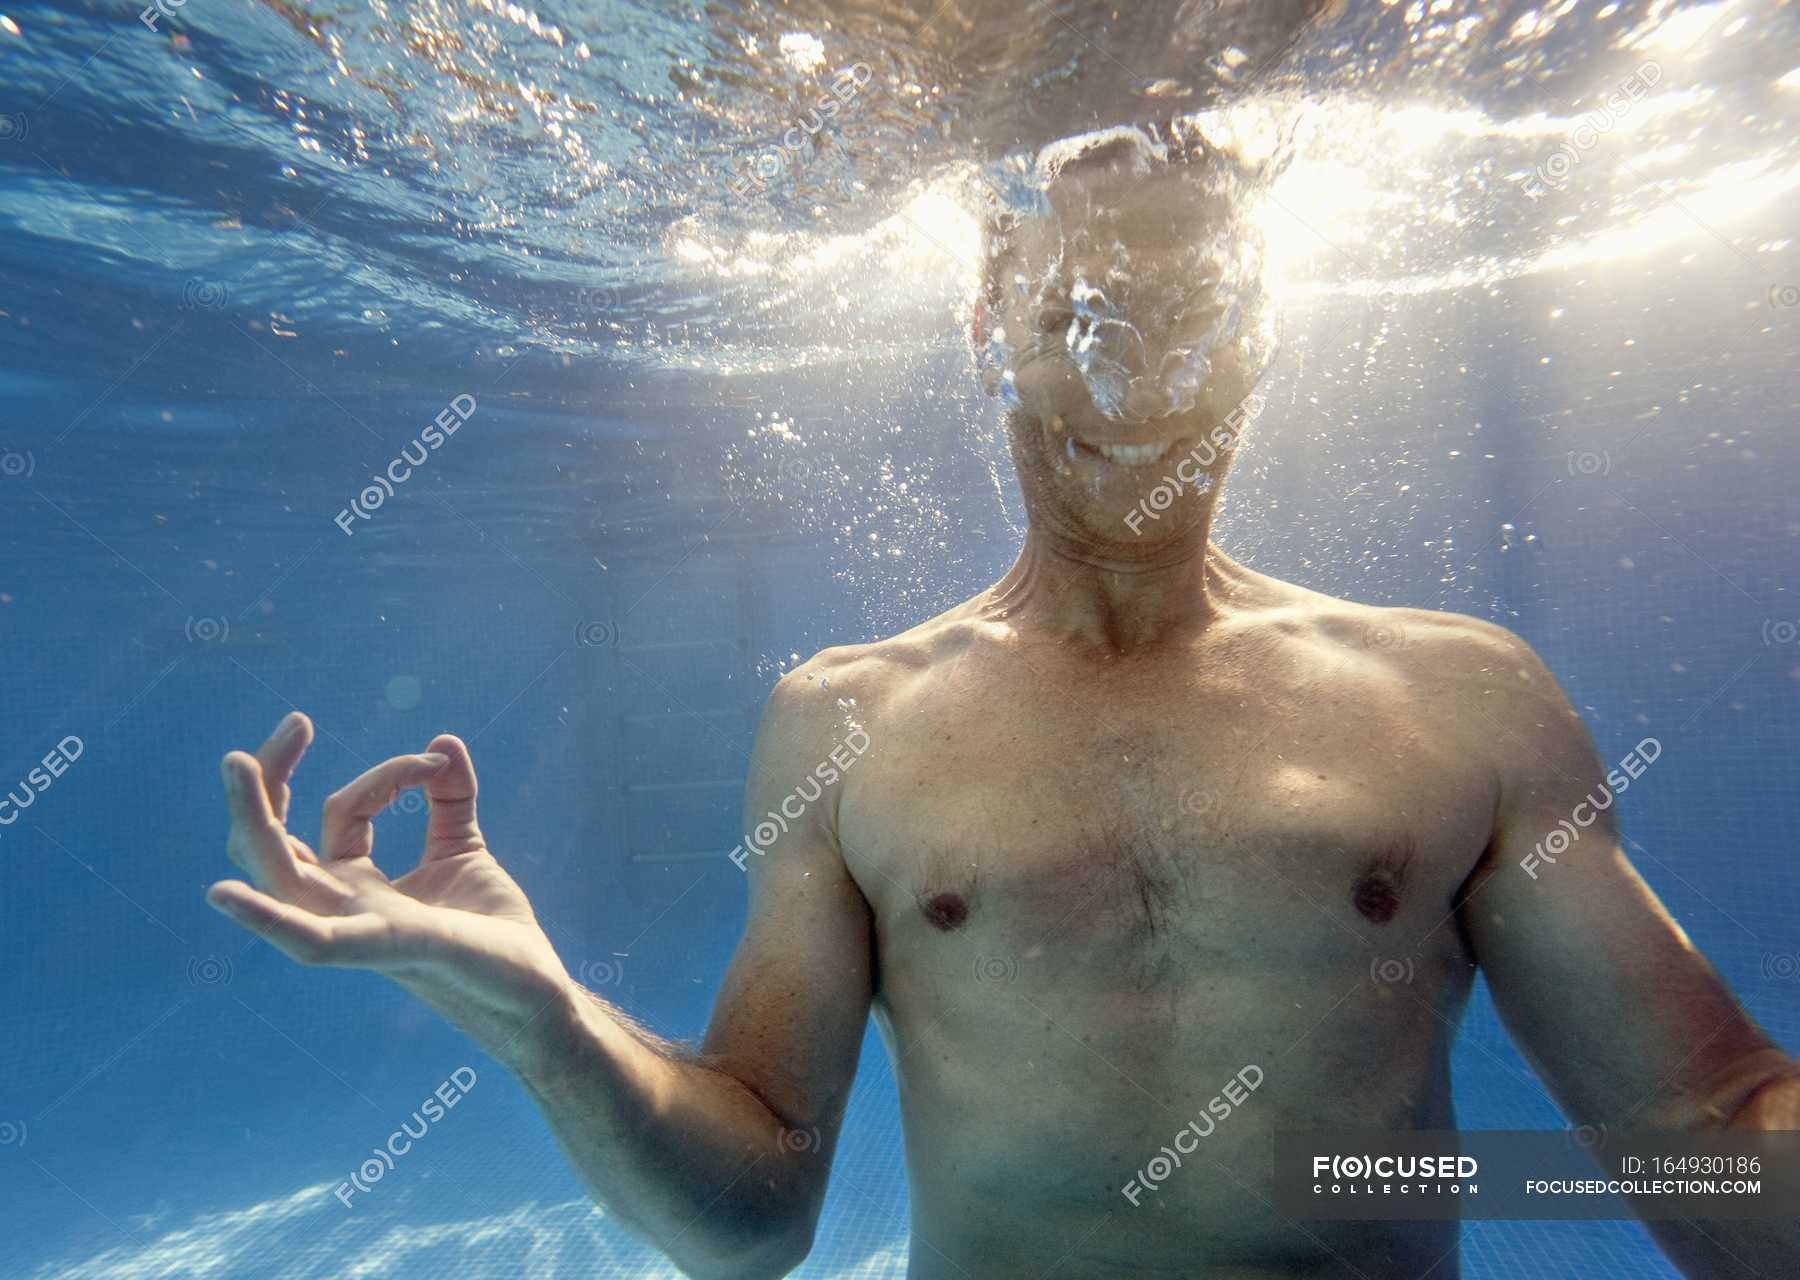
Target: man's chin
(1122, 498)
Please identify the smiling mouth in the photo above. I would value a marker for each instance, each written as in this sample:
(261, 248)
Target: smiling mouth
(1120, 455)
(1133, 455)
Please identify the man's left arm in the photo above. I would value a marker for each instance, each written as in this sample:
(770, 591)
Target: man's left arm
(1623, 1019)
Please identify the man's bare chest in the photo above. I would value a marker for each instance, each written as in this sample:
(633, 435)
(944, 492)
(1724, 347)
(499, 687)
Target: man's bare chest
(1148, 834)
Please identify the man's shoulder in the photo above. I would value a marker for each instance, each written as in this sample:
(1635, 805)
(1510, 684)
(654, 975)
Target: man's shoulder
(1426, 643)
(1476, 681)
(1453, 662)
(1441, 643)
(858, 677)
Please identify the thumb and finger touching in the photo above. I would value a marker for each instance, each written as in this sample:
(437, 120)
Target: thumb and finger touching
(297, 903)
(348, 831)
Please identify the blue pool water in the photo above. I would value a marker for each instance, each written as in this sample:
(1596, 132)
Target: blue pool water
(249, 254)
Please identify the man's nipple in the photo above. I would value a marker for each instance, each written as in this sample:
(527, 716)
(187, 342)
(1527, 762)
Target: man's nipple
(946, 911)
(1375, 898)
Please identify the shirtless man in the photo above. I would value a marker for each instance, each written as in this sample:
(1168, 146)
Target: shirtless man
(1130, 821)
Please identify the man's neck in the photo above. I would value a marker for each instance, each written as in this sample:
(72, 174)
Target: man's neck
(1123, 607)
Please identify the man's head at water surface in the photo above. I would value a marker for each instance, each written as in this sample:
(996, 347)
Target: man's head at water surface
(1123, 320)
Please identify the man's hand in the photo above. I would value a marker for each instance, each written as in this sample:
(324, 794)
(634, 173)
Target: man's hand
(666, 1141)
(455, 931)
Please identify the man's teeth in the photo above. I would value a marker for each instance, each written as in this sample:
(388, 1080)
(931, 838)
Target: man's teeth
(1126, 455)
(1132, 455)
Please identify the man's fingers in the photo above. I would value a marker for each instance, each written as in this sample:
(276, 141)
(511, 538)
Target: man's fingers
(279, 755)
(348, 830)
(361, 941)
(452, 790)
(245, 794)
(258, 843)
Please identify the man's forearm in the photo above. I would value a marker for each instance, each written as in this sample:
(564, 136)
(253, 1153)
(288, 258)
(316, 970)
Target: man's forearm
(684, 1155)
(1716, 1249)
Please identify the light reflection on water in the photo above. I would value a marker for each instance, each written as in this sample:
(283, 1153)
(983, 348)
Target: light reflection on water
(656, 191)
